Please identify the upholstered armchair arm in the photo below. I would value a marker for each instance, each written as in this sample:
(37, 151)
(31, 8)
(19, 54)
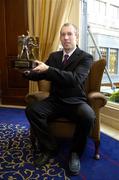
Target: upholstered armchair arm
(39, 95)
(96, 99)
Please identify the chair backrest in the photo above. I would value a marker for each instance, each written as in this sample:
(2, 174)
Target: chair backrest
(93, 82)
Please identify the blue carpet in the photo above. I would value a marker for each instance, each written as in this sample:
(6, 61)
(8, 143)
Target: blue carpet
(16, 155)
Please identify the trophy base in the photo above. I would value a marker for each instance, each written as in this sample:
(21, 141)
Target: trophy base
(24, 64)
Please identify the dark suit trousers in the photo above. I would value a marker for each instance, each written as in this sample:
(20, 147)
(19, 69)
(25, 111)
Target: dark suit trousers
(40, 112)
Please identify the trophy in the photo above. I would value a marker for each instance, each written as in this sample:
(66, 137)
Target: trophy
(28, 52)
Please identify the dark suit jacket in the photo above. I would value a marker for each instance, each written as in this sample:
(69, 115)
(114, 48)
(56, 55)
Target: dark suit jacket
(67, 81)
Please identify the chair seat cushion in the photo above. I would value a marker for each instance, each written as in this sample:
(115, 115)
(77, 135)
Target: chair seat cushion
(62, 127)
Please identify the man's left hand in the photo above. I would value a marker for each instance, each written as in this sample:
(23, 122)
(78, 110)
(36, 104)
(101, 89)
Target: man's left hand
(41, 67)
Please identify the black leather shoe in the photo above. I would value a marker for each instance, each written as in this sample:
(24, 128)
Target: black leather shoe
(74, 164)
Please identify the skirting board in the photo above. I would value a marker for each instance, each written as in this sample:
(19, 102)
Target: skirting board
(110, 115)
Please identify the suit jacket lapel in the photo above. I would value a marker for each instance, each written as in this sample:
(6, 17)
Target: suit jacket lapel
(59, 59)
(76, 56)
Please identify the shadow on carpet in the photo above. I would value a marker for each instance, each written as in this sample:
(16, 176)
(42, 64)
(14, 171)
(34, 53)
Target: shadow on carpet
(17, 157)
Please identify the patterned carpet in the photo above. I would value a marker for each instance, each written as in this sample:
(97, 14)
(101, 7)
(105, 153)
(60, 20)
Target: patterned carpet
(17, 157)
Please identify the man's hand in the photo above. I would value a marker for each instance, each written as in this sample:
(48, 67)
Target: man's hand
(41, 67)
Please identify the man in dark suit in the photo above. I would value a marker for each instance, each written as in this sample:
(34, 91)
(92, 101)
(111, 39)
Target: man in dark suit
(67, 71)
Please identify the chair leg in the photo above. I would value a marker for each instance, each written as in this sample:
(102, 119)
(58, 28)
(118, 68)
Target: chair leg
(97, 154)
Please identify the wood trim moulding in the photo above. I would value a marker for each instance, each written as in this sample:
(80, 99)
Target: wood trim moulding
(110, 115)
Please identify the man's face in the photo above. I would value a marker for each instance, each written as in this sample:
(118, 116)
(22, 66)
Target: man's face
(68, 38)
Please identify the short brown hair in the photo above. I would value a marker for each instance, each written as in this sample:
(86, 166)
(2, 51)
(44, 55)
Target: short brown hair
(70, 24)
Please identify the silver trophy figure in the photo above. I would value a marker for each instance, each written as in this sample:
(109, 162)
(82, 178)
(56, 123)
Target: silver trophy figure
(28, 52)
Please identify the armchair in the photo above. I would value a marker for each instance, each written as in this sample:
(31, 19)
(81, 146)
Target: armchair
(63, 127)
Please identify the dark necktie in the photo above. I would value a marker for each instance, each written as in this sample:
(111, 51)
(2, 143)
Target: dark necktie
(66, 56)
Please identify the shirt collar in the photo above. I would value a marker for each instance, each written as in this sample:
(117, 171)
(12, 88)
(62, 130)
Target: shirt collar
(70, 53)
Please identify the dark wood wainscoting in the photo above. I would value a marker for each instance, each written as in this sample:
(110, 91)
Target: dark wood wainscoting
(13, 22)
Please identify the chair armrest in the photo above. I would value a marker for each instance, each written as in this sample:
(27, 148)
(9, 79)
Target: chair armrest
(96, 99)
(40, 95)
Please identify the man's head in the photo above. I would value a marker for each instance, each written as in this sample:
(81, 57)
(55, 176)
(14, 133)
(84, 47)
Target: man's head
(69, 36)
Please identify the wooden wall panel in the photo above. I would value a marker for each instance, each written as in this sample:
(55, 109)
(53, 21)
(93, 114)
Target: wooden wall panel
(16, 23)
(13, 20)
(2, 43)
